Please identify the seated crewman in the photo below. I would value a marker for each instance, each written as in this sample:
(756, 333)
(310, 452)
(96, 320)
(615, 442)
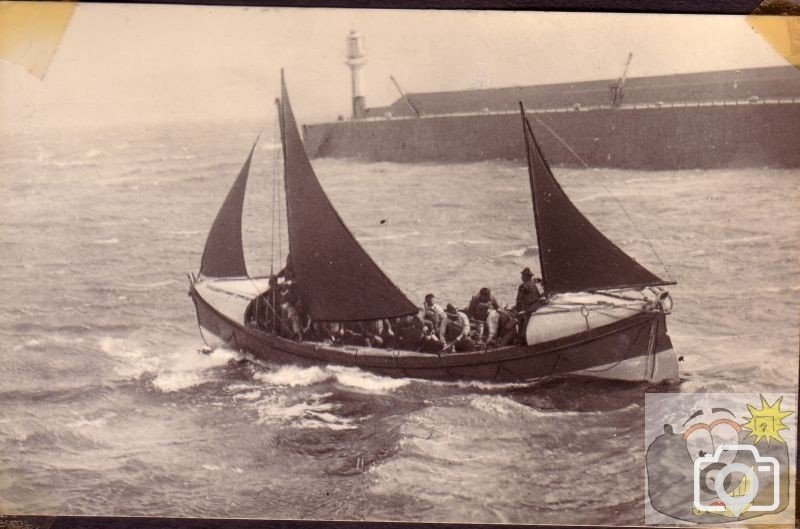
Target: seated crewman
(502, 324)
(455, 329)
(377, 333)
(433, 316)
(408, 332)
(481, 306)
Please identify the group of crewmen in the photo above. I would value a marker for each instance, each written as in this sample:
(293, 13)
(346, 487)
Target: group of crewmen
(484, 324)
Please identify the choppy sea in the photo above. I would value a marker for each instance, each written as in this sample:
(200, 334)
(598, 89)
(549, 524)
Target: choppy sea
(108, 408)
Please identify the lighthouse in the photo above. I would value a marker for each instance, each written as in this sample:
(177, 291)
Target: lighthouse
(356, 59)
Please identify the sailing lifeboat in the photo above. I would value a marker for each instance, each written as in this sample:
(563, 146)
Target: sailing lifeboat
(605, 314)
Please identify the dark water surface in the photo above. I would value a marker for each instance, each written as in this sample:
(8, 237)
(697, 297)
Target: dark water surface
(107, 408)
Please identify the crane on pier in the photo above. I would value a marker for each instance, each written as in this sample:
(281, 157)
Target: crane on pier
(617, 89)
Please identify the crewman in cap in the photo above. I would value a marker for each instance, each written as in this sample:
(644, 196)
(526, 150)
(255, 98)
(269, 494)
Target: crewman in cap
(529, 298)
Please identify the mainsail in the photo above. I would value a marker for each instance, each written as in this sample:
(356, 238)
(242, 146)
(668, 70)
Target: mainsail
(574, 255)
(337, 279)
(223, 255)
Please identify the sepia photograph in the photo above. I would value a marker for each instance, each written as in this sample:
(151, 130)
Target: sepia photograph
(496, 267)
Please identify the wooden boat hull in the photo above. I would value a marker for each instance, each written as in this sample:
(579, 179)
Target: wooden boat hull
(636, 348)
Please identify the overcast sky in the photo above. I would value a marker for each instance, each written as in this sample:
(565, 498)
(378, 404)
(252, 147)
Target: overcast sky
(147, 63)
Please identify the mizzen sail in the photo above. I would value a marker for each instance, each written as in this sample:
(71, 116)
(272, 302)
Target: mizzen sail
(337, 279)
(574, 255)
(223, 255)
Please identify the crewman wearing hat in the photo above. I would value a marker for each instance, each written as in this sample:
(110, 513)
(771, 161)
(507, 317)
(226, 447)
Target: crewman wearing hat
(528, 294)
(456, 329)
(528, 299)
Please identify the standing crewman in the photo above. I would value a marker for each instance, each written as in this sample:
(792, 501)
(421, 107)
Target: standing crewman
(529, 298)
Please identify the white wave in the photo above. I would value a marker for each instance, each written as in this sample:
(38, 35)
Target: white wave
(477, 384)
(188, 368)
(390, 237)
(249, 395)
(212, 467)
(293, 376)
(467, 242)
(82, 422)
(500, 406)
(92, 153)
(353, 377)
(171, 371)
(775, 290)
(311, 413)
(184, 233)
(73, 163)
(149, 286)
(233, 388)
(106, 241)
(521, 252)
(132, 360)
(740, 240)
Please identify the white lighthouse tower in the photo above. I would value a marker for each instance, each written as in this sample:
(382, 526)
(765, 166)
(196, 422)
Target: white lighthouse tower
(356, 59)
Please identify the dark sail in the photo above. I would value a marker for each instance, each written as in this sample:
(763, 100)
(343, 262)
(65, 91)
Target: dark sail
(574, 255)
(336, 278)
(223, 255)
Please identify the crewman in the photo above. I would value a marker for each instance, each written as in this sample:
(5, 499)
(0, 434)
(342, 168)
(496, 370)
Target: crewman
(529, 298)
(328, 332)
(377, 333)
(481, 306)
(502, 324)
(260, 313)
(455, 329)
(290, 307)
(433, 316)
(408, 331)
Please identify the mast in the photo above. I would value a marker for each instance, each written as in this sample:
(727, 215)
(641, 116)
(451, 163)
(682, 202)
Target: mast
(525, 126)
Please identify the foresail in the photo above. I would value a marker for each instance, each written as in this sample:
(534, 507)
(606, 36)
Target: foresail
(223, 255)
(337, 279)
(574, 255)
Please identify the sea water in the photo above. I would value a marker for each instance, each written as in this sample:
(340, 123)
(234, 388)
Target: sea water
(109, 408)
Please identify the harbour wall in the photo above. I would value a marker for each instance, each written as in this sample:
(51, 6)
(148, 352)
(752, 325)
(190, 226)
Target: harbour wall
(695, 135)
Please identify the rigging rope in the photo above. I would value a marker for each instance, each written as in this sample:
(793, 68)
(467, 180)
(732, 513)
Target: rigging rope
(602, 183)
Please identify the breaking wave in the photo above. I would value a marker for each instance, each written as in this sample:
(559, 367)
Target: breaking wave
(168, 371)
(351, 377)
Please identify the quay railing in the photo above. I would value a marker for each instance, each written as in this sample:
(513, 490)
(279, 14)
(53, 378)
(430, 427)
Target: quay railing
(751, 101)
